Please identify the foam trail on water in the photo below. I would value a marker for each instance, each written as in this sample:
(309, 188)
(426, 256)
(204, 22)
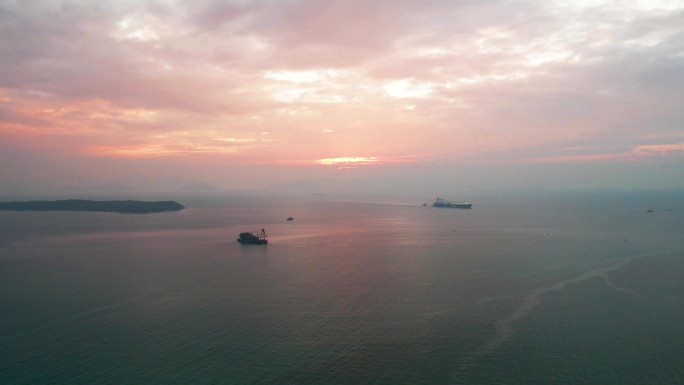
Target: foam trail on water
(505, 328)
(629, 292)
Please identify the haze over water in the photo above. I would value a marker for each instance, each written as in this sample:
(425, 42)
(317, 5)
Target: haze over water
(576, 289)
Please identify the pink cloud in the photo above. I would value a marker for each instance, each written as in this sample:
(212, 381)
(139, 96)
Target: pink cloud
(636, 153)
(577, 159)
(660, 150)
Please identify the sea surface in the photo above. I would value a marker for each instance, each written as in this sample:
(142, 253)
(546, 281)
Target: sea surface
(544, 289)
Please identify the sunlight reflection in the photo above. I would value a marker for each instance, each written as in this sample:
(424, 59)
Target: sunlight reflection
(348, 161)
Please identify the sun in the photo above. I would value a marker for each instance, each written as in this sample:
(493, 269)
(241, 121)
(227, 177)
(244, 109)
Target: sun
(349, 161)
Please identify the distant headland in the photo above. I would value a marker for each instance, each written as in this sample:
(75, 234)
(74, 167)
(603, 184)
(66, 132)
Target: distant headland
(129, 206)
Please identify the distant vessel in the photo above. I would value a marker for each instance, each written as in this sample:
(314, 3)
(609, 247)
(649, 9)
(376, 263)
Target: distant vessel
(250, 238)
(454, 205)
(650, 211)
(290, 219)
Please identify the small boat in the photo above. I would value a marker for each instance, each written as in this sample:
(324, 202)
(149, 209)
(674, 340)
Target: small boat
(251, 238)
(650, 211)
(290, 219)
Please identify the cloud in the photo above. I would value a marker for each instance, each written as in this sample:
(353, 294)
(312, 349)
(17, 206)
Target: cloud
(660, 150)
(286, 82)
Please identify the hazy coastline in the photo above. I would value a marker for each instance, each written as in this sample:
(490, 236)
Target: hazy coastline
(116, 206)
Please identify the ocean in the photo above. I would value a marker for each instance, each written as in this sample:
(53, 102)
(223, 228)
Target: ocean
(521, 289)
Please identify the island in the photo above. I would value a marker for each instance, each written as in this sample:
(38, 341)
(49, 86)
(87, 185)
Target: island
(129, 206)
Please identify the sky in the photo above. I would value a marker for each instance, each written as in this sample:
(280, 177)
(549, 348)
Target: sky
(433, 97)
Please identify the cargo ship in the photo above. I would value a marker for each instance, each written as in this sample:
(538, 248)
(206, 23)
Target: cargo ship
(251, 238)
(453, 205)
